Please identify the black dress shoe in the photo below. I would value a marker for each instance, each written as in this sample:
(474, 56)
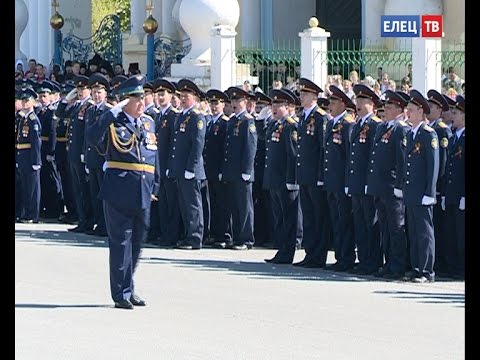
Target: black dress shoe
(188, 247)
(239, 247)
(124, 304)
(314, 264)
(137, 300)
(272, 260)
(282, 261)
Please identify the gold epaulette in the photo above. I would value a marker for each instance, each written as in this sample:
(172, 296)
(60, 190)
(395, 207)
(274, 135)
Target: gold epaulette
(108, 105)
(248, 116)
(21, 113)
(155, 110)
(442, 125)
(428, 128)
(32, 116)
(321, 111)
(403, 123)
(91, 102)
(291, 120)
(225, 117)
(196, 111)
(175, 110)
(349, 118)
(148, 117)
(376, 119)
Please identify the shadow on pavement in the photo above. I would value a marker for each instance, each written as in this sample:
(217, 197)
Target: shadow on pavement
(426, 297)
(62, 237)
(53, 306)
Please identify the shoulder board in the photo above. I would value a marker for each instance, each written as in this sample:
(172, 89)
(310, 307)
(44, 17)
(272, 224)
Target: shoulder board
(403, 123)
(428, 128)
(196, 111)
(51, 107)
(155, 110)
(442, 125)
(225, 117)
(32, 116)
(321, 111)
(108, 105)
(21, 113)
(291, 120)
(248, 116)
(376, 119)
(148, 117)
(349, 118)
(91, 102)
(175, 110)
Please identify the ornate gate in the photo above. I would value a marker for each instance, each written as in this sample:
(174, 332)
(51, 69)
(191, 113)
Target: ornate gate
(167, 52)
(106, 42)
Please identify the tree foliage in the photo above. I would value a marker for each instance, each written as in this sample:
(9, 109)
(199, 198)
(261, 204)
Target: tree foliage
(102, 8)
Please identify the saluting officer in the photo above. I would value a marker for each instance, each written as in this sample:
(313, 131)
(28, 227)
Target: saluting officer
(366, 227)
(237, 168)
(186, 164)
(438, 105)
(385, 183)
(419, 189)
(169, 210)
(453, 196)
(337, 149)
(262, 224)
(127, 136)
(94, 156)
(74, 107)
(221, 218)
(280, 176)
(28, 157)
(309, 163)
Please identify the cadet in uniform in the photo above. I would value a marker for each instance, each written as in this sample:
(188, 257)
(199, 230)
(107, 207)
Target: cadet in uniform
(337, 149)
(280, 176)
(186, 164)
(221, 218)
(127, 136)
(237, 168)
(385, 182)
(169, 211)
(453, 196)
(19, 114)
(28, 157)
(309, 163)
(419, 189)
(94, 159)
(438, 105)
(75, 110)
(366, 227)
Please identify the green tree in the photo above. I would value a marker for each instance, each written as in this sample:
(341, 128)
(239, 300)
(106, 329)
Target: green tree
(102, 8)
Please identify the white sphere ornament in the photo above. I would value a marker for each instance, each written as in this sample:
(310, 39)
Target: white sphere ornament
(197, 18)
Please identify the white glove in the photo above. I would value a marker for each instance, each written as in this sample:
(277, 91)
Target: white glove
(442, 203)
(319, 183)
(153, 198)
(166, 172)
(398, 193)
(82, 158)
(36, 167)
(461, 206)
(428, 200)
(346, 190)
(104, 166)
(292, 187)
(246, 177)
(50, 158)
(118, 108)
(71, 95)
(16, 165)
(86, 170)
(264, 113)
(220, 177)
(189, 175)
(366, 187)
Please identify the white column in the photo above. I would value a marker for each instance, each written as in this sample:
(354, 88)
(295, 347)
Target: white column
(45, 33)
(138, 12)
(223, 60)
(250, 23)
(21, 20)
(426, 67)
(168, 27)
(33, 30)
(313, 55)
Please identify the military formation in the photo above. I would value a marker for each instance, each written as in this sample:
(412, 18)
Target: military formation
(380, 181)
